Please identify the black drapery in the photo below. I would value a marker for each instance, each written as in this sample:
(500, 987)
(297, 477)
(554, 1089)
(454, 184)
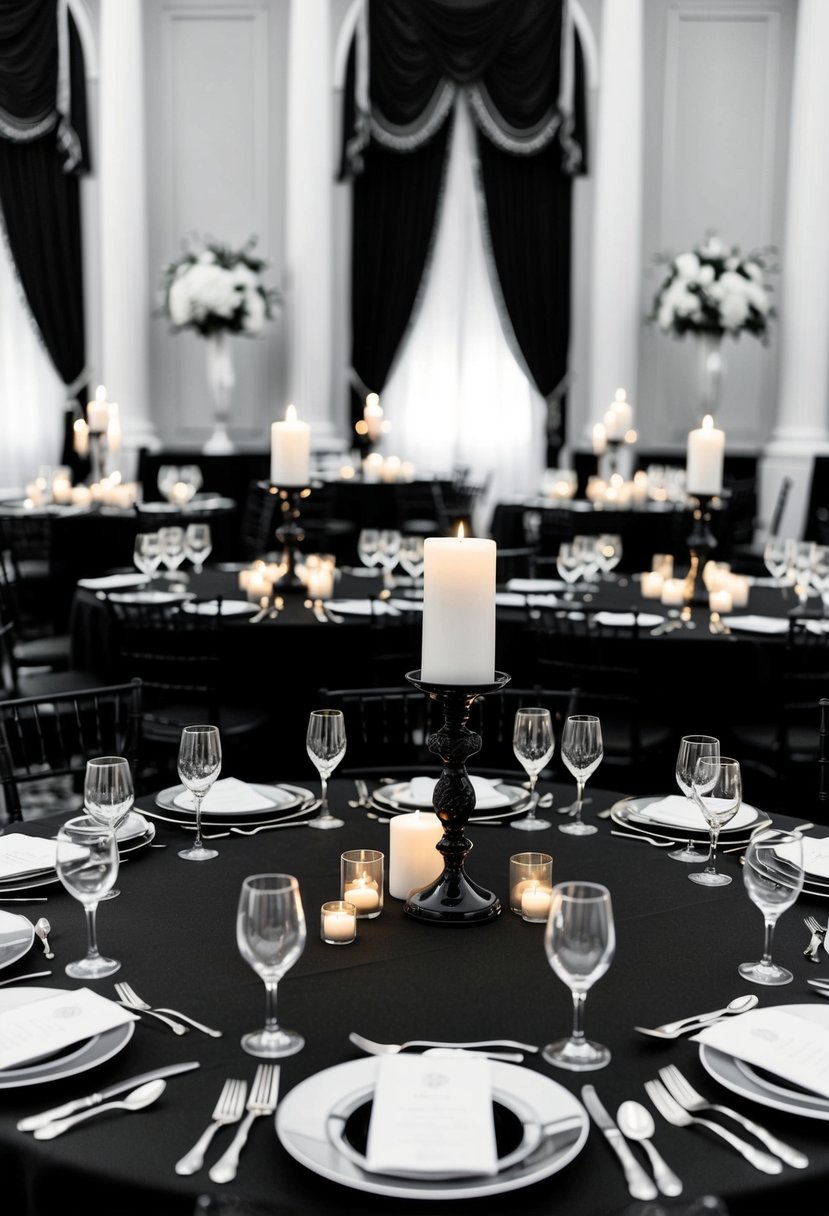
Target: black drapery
(43, 153)
(520, 69)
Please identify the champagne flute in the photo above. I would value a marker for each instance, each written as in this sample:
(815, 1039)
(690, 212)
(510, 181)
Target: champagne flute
(108, 795)
(773, 878)
(147, 553)
(718, 790)
(325, 744)
(691, 747)
(582, 749)
(533, 744)
(198, 545)
(580, 941)
(270, 934)
(87, 862)
(199, 764)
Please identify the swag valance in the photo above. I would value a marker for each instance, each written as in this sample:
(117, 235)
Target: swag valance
(519, 68)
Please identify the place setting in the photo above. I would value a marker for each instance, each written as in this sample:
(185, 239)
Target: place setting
(494, 800)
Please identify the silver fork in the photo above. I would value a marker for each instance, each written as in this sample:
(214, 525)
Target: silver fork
(228, 1109)
(176, 1027)
(818, 933)
(262, 1101)
(129, 994)
(670, 1110)
(689, 1098)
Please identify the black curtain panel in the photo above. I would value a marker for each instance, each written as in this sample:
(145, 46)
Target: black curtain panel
(520, 69)
(43, 153)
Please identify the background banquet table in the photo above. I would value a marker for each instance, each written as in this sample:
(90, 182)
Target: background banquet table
(173, 928)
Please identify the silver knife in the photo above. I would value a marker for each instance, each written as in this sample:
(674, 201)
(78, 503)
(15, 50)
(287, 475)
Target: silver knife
(31, 1122)
(639, 1184)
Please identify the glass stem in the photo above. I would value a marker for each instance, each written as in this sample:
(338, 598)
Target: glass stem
(533, 797)
(578, 1016)
(711, 864)
(769, 934)
(197, 799)
(91, 932)
(324, 812)
(579, 798)
(271, 1024)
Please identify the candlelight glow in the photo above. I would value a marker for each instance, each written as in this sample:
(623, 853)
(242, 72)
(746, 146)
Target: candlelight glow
(290, 414)
(460, 532)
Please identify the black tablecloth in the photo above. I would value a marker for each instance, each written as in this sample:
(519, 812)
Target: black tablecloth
(173, 928)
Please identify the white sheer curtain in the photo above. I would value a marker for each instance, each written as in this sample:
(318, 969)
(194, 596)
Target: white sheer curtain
(457, 395)
(32, 396)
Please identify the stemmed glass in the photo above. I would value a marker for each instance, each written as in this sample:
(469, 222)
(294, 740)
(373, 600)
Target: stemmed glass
(412, 557)
(388, 548)
(368, 547)
(580, 941)
(147, 553)
(533, 744)
(775, 559)
(609, 549)
(171, 540)
(691, 748)
(270, 934)
(87, 865)
(325, 744)
(582, 749)
(773, 878)
(199, 764)
(569, 565)
(198, 545)
(108, 795)
(718, 791)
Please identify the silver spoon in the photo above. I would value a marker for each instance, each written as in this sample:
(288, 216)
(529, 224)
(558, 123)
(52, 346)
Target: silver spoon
(43, 929)
(635, 1122)
(137, 1100)
(672, 1030)
(18, 979)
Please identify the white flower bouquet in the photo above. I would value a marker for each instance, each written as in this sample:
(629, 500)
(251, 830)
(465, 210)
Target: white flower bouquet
(217, 289)
(714, 290)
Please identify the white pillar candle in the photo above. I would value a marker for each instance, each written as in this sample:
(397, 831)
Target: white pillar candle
(619, 417)
(720, 601)
(652, 581)
(737, 586)
(290, 451)
(97, 411)
(704, 464)
(458, 610)
(413, 858)
(80, 436)
(373, 417)
(373, 466)
(599, 439)
(673, 591)
(535, 901)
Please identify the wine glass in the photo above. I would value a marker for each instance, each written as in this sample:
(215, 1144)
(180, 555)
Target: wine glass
(774, 558)
(533, 744)
(582, 749)
(270, 934)
(388, 548)
(171, 541)
(108, 795)
(691, 747)
(87, 862)
(717, 788)
(198, 545)
(199, 764)
(147, 553)
(609, 549)
(325, 744)
(773, 878)
(368, 547)
(580, 941)
(168, 475)
(569, 565)
(412, 557)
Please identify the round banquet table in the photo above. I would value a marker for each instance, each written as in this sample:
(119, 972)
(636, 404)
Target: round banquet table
(173, 929)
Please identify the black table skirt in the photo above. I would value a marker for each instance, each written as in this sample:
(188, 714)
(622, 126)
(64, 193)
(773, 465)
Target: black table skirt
(172, 927)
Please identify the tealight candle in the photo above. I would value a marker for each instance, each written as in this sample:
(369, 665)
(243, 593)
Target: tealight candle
(531, 885)
(535, 901)
(458, 610)
(664, 563)
(720, 601)
(338, 922)
(362, 894)
(673, 591)
(737, 585)
(361, 881)
(651, 586)
(290, 451)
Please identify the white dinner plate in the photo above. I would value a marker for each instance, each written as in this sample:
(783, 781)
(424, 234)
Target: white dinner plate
(151, 597)
(296, 796)
(77, 1057)
(322, 1123)
(752, 1083)
(229, 608)
(399, 797)
(644, 812)
(16, 936)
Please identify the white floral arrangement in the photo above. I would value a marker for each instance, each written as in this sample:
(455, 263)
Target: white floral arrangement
(715, 290)
(216, 288)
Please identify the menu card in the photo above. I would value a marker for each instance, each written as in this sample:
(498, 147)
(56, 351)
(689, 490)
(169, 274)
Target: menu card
(39, 1027)
(21, 855)
(794, 1048)
(432, 1114)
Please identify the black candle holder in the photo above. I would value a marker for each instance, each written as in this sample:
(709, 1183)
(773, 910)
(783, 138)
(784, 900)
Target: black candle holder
(289, 532)
(701, 544)
(453, 898)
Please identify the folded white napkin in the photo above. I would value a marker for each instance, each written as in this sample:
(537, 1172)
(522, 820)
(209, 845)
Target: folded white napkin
(108, 582)
(46, 1024)
(228, 795)
(645, 619)
(21, 854)
(421, 790)
(777, 1040)
(678, 811)
(536, 584)
(815, 856)
(757, 624)
(510, 599)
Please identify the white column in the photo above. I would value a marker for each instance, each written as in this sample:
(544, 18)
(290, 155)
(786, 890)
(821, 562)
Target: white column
(309, 184)
(126, 298)
(803, 402)
(616, 278)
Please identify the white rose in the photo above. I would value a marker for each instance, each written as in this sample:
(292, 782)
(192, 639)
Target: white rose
(243, 276)
(212, 291)
(734, 310)
(687, 265)
(687, 304)
(178, 301)
(705, 276)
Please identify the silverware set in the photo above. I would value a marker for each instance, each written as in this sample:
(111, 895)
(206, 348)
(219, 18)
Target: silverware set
(228, 1110)
(673, 1030)
(264, 1094)
(818, 932)
(129, 998)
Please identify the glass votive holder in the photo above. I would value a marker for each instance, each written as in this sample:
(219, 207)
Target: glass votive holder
(338, 922)
(531, 885)
(361, 881)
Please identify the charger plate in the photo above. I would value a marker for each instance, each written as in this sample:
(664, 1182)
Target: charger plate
(759, 1086)
(77, 1057)
(323, 1123)
(294, 798)
(16, 936)
(512, 799)
(636, 813)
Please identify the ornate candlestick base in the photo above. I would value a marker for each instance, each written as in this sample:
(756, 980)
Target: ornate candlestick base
(289, 532)
(701, 543)
(453, 898)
